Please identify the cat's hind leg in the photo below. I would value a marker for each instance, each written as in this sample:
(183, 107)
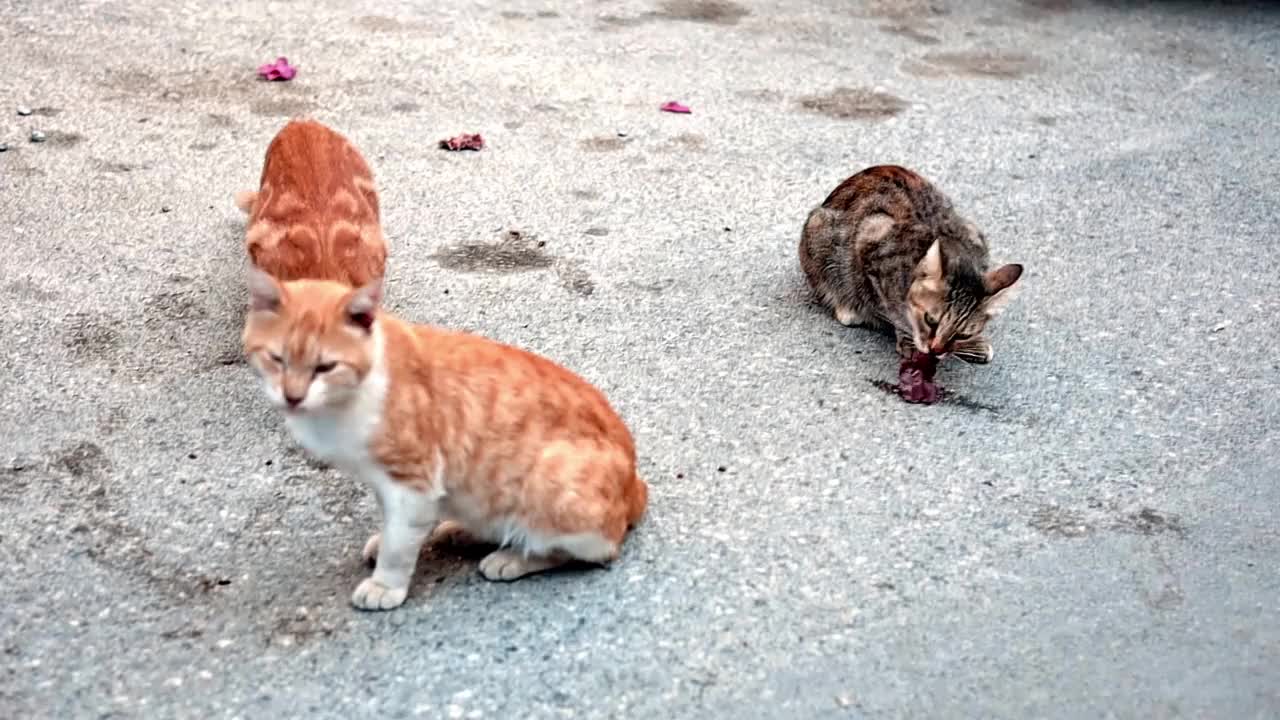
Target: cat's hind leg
(819, 244)
(506, 564)
(580, 499)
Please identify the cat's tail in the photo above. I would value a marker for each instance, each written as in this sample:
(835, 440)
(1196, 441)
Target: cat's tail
(637, 500)
(245, 200)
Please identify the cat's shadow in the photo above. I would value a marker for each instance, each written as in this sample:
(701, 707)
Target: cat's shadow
(882, 340)
(460, 561)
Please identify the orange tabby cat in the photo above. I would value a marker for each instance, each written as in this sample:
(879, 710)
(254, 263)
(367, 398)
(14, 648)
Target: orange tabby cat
(315, 214)
(455, 433)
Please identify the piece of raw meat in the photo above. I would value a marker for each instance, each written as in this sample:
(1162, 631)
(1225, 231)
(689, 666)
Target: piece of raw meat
(915, 379)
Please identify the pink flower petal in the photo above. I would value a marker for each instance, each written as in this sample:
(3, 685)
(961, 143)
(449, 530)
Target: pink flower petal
(463, 142)
(278, 70)
(675, 107)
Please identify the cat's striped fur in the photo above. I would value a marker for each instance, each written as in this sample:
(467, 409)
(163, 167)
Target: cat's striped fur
(887, 249)
(315, 214)
(455, 434)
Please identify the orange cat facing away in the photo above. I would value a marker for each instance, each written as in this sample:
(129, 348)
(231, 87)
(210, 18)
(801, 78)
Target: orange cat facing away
(458, 436)
(315, 214)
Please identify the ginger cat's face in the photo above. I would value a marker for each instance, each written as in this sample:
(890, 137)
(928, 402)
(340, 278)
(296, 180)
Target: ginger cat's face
(311, 341)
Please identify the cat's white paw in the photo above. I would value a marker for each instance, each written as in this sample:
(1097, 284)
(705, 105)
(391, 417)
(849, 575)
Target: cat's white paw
(505, 565)
(370, 552)
(373, 595)
(848, 317)
(450, 532)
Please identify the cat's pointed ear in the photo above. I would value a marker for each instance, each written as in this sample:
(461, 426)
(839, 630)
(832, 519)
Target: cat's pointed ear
(265, 294)
(1001, 285)
(931, 266)
(363, 304)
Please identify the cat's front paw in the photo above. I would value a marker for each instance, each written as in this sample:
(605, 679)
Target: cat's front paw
(370, 552)
(847, 317)
(906, 347)
(373, 595)
(450, 532)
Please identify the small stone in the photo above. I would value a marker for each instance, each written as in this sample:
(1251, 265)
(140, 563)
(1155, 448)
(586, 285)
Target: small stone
(23, 110)
(4, 147)
(165, 209)
(37, 136)
(1220, 326)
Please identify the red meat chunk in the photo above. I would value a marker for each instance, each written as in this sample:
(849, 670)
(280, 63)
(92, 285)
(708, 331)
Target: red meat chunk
(915, 379)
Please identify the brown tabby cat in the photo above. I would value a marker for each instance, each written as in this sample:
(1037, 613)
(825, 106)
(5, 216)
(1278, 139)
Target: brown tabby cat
(455, 433)
(316, 213)
(886, 249)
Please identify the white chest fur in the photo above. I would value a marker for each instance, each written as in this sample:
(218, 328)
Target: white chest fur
(341, 436)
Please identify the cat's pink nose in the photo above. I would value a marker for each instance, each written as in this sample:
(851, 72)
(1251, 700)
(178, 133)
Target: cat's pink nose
(936, 347)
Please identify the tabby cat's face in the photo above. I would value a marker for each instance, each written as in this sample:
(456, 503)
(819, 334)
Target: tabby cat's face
(311, 342)
(942, 321)
(949, 308)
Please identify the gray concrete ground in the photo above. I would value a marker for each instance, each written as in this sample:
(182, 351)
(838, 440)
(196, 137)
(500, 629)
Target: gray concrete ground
(1089, 531)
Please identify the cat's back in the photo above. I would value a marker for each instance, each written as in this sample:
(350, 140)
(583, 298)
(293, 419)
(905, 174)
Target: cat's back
(316, 214)
(889, 189)
(308, 167)
(507, 389)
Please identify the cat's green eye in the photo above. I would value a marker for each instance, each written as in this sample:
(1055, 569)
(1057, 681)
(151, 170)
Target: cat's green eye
(931, 320)
(325, 367)
(276, 358)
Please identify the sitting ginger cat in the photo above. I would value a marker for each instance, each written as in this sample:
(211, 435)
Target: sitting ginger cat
(457, 435)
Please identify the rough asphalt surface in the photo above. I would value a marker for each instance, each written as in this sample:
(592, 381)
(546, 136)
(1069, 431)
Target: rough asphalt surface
(1088, 529)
